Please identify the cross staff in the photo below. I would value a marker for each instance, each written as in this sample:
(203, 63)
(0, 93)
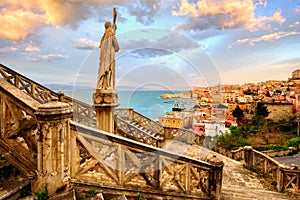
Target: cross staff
(114, 16)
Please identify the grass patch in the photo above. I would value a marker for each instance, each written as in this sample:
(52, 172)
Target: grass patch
(277, 147)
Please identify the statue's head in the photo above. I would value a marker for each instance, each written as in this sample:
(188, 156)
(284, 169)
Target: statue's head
(107, 25)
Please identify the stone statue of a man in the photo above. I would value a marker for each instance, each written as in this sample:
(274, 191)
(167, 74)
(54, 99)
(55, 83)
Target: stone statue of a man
(108, 48)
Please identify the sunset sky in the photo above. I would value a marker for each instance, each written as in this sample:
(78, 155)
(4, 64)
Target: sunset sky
(164, 43)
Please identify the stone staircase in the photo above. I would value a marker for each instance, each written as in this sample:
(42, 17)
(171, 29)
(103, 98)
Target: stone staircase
(143, 129)
(242, 193)
(239, 183)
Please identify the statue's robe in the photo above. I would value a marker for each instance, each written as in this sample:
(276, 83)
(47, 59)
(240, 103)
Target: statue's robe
(108, 48)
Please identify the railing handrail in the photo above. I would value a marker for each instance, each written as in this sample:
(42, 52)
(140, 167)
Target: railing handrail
(83, 129)
(67, 99)
(267, 157)
(145, 117)
(144, 132)
(6, 69)
(279, 172)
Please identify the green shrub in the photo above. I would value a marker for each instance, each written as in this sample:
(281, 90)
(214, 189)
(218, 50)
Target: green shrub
(43, 195)
(91, 193)
(241, 142)
(7, 172)
(232, 140)
(294, 142)
(277, 147)
(285, 127)
(2, 160)
(139, 197)
(26, 191)
(236, 130)
(225, 140)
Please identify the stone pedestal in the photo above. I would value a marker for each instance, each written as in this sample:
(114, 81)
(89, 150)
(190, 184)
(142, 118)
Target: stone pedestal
(54, 147)
(216, 178)
(105, 101)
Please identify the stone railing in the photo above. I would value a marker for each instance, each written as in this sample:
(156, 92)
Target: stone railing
(82, 112)
(286, 178)
(164, 133)
(131, 115)
(140, 134)
(184, 135)
(114, 164)
(33, 89)
(237, 154)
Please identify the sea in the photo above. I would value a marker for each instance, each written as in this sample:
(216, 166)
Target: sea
(146, 102)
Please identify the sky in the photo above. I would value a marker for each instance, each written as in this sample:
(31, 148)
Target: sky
(164, 44)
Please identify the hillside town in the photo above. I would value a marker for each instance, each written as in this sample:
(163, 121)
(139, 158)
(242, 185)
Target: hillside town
(213, 111)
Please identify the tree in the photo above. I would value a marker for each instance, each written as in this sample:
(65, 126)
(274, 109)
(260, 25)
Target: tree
(239, 114)
(261, 110)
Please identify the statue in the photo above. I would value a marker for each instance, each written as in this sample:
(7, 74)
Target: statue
(108, 48)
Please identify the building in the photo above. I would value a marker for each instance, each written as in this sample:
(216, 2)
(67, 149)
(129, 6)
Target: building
(295, 77)
(279, 110)
(296, 74)
(174, 120)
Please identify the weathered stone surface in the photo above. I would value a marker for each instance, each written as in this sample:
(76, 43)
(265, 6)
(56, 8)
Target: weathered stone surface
(18, 94)
(239, 183)
(54, 147)
(65, 196)
(53, 108)
(122, 197)
(105, 98)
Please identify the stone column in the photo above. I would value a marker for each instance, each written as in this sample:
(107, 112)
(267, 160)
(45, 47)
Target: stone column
(216, 177)
(248, 153)
(54, 149)
(131, 114)
(280, 176)
(105, 101)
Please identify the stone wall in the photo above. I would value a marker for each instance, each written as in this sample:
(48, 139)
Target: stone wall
(273, 154)
(279, 110)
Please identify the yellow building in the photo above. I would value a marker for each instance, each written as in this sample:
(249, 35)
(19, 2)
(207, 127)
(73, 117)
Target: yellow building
(172, 120)
(231, 106)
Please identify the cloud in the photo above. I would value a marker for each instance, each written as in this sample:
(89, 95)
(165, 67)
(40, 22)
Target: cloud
(18, 24)
(163, 43)
(144, 10)
(222, 15)
(19, 19)
(149, 52)
(295, 24)
(49, 57)
(8, 50)
(31, 48)
(269, 37)
(297, 9)
(85, 44)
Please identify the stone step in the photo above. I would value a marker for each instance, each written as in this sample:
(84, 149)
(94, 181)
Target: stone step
(240, 193)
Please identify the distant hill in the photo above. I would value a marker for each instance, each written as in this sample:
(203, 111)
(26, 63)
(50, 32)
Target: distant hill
(64, 87)
(70, 87)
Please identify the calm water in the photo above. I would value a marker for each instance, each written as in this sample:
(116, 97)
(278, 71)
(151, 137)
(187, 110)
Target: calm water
(147, 103)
